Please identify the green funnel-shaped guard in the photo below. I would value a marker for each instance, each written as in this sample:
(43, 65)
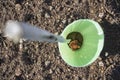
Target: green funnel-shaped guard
(93, 41)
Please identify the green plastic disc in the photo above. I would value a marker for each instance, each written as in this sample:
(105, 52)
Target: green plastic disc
(93, 41)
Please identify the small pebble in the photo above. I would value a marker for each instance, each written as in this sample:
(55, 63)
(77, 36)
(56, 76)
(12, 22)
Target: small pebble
(0, 31)
(18, 7)
(58, 70)
(69, 20)
(21, 45)
(101, 15)
(99, 20)
(99, 0)
(91, 11)
(50, 7)
(110, 60)
(99, 58)
(106, 54)
(47, 15)
(107, 62)
(112, 66)
(76, 1)
(64, 21)
(56, 33)
(83, 78)
(76, 78)
(50, 71)
(18, 72)
(26, 75)
(47, 63)
(101, 63)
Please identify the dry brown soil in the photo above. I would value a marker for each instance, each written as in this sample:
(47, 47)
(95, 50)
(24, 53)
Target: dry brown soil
(42, 61)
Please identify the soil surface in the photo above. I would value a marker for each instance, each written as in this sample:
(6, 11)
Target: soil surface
(42, 61)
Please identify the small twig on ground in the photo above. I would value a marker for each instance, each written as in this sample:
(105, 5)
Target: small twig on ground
(117, 3)
(109, 12)
(2, 40)
(104, 78)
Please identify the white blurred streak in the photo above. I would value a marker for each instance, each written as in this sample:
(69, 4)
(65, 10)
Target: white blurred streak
(15, 31)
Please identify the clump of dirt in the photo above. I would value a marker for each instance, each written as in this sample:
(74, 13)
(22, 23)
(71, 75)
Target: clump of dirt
(76, 40)
(42, 61)
(74, 45)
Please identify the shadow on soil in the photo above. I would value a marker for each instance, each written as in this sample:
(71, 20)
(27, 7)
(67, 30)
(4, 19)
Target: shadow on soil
(111, 46)
(112, 38)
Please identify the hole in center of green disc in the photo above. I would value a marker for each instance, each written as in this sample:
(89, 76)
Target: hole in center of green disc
(76, 40)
